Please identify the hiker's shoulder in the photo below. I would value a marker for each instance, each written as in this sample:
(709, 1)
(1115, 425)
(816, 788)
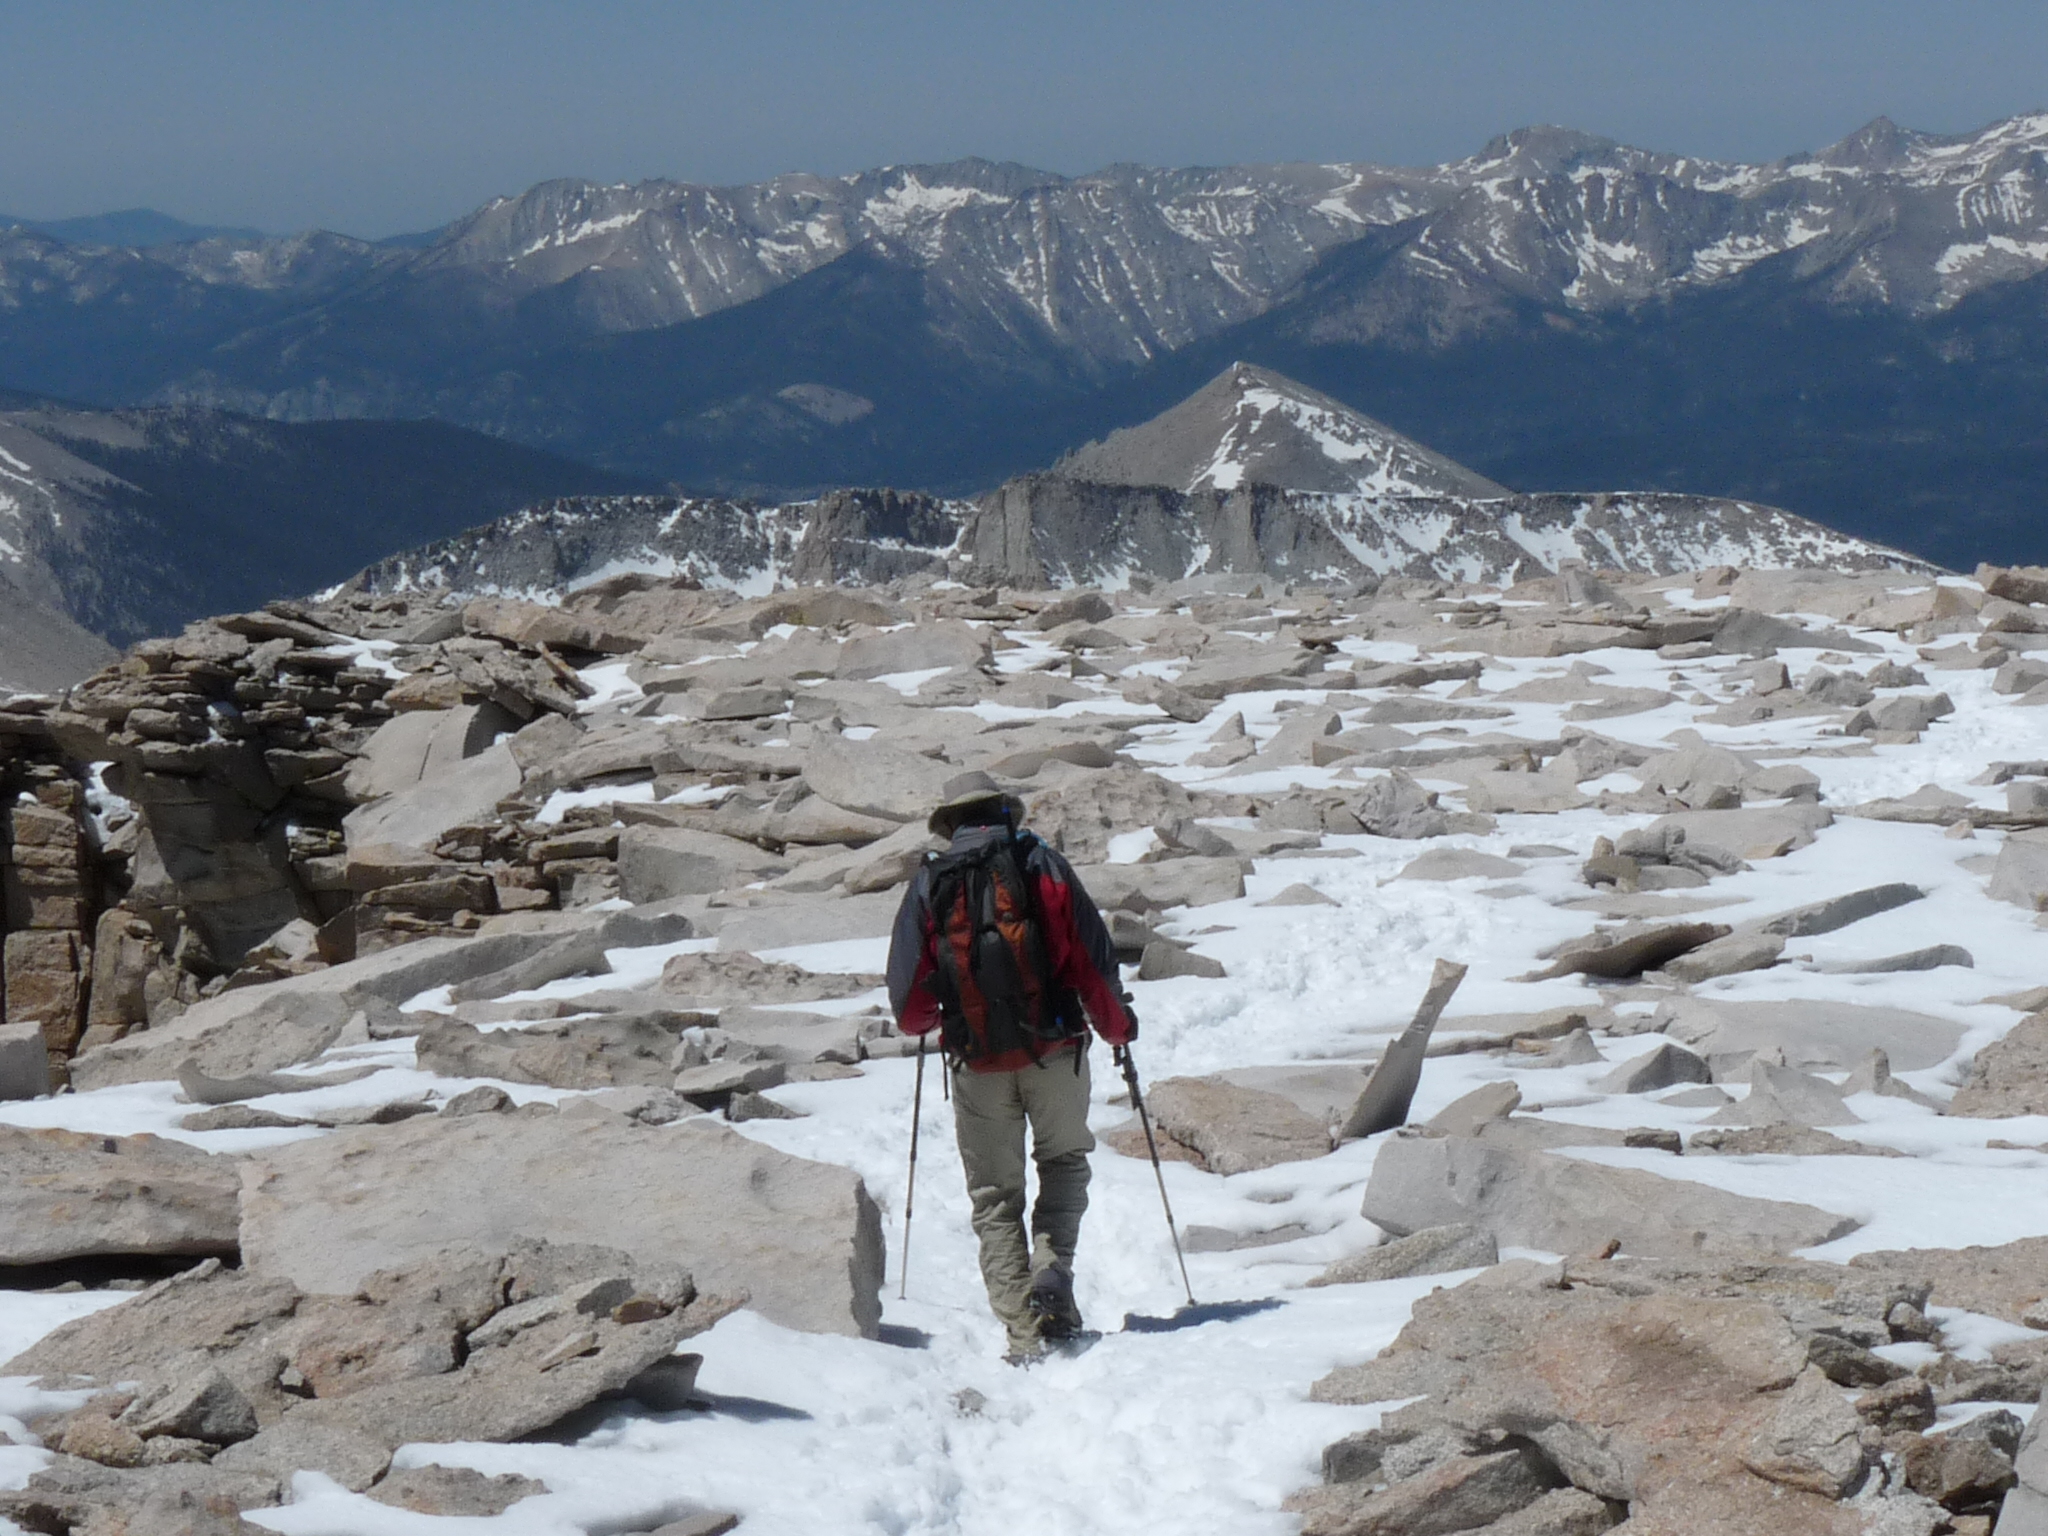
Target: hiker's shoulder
(1039, 854)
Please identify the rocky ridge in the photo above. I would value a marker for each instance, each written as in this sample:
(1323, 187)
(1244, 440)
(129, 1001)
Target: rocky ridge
(1254, 474)
(379, 898)
(1147, 260)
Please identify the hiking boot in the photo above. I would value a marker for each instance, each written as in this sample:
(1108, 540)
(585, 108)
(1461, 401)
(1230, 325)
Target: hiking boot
(1052, 1303)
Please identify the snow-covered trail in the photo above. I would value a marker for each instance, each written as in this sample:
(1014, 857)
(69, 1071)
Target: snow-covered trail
(1208, 1427)
(1205, 1427)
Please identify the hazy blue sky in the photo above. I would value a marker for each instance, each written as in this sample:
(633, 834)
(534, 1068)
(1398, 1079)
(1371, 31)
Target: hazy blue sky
(376, 118)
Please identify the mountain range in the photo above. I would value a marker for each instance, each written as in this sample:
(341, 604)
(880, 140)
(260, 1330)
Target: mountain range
(131, 523)
(1859, 334)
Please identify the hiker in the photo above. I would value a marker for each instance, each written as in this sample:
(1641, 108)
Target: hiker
(999, 947)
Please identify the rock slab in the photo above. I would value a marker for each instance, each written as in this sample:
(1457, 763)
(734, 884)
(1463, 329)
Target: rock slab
(1560, 1204)
(64, 1195)
(802, 1239)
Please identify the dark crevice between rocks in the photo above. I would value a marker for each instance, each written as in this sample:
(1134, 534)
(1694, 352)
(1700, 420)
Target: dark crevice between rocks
(107, 1271)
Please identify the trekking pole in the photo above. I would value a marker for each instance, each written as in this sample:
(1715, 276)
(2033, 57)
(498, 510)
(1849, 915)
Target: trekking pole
(910, 1184)
(1130, 1068)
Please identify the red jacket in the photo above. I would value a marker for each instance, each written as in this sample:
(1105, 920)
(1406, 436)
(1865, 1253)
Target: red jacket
(1078, 948)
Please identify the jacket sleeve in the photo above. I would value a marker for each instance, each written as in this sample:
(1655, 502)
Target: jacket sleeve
(1083, 955)
(913, 961)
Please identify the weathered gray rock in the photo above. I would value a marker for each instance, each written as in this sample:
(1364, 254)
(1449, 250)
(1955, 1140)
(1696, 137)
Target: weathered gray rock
(1840, 911)
(1432, 1251)
(1384, 1101)
(1786, 1096)
(1255, 672)
(2025, 1512)
(1464, 1116)
(1932, 958)
(815, 821)
(1162, 961)
(1464, 1493)
(1174, 883)
(1626, 953)
(1812, 1441)
(468, 790)
(1782, 1140)
(801, 1238)
(1727, 956)
(1665, 1067)
(1549, 1201)
(1560, 1512)
(1816, 1036)
(69, 1196)
(718, 978)
(201, 1088)
(1522, 793)
(629, 1050)
(2009, 1076)
(754, 703)
(874, 779)
(1079, 607)
(878, 866)
(1460, 864)
(1081, 816)
(1234, 1129)
(420, 744)
(579, 951)
(914, 648)
(1178, 704)
(1299, 894)
(2009, 1281)
(1904, 715)
(24, 1062)
(656, 863)
(786, 1035)
(1582, 1365)
(1699, 777)
(282, 1023)
(203, 1406)
(433, 1490)
(1763, 832)
(184, 1499)
(715, 1082)
(2021, 875)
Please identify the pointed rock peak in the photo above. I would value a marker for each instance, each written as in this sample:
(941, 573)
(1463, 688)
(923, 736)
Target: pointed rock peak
(1878, 145)
(1252, 426)
(1543, 150)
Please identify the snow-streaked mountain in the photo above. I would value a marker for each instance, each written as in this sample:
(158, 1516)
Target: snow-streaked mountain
(1252, 426)
(1852, 332)
(131, 523)
(1123, 264)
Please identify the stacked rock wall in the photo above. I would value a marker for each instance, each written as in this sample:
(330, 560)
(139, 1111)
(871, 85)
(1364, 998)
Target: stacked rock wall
(48, 884)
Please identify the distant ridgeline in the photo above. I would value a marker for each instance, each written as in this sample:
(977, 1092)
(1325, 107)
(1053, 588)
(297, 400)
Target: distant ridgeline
(1855, 333)
(1253, 474)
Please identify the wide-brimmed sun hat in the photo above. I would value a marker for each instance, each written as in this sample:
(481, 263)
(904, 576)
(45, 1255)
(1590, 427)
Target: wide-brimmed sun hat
(965, 790)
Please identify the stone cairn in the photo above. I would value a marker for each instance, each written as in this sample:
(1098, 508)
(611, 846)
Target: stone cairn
(209, 850)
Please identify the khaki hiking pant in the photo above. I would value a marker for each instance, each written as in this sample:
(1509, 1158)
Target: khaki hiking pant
(990, 1112)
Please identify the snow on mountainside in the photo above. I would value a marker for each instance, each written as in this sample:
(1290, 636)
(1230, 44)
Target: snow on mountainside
(1128, 262)
(117, 520)
(1251, 426)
